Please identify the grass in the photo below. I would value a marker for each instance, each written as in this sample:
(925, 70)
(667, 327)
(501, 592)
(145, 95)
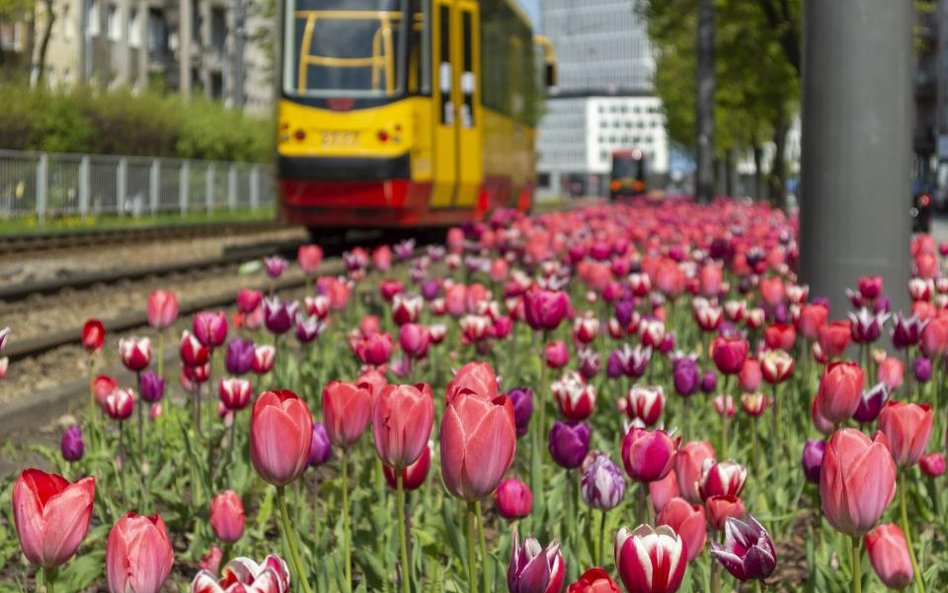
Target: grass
(32, 224)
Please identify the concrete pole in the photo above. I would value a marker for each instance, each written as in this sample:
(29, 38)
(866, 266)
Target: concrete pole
(240, 34)
(857, 114)
(184, 47)
(704, 116)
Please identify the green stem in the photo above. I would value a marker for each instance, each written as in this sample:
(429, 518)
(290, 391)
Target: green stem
(93, 416)
(471, 552)
(49, 579)
(290, 536)
(402, 536)
(483, 544)
(160, 353)
(754, 453)
(346, 536)
(602, 538)
(724, 418)
(903, 507)
(857, 566)
(757, 586)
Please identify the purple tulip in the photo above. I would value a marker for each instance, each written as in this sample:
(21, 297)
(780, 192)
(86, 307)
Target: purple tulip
(923, 369)
(151, 387)
(637, 362)
(404, 249)
(602, 485)
(709, 383)
(72, 446)
(279, 315)
(624, 310)
(748, 552)
(870, 404)
(615, 367)
(522, 399)
(430, 290)
(812, 460)
(274, 266)
(308, 328)
(569, 443)
(906, 331)
(319, 448)
(589, 362)
(882, 305)
(535, 569)
(821, 300)
(865, 326)
(239, 357)
(685, 375)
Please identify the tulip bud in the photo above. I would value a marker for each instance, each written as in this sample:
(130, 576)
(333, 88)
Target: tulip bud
(685, 375)
(320, 448)
(889, 554)
(239, 357)
(569, 443)
(414, 475)
(513, 499)
(227, 516)
(522, 399)
(602, 484)
(812, 460)
(93, 335)
(263, 358)
(281, 431)
(274, 266)
(71, 446)
(151, 387)
(840, 390)
(922, 367)
(210, 328)
(709, 383)
(556, 354)
(162, 308)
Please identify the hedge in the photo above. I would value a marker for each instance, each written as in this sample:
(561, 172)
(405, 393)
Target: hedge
(89, 120)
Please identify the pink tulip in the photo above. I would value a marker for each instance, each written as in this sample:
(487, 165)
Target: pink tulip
(210, 328)
(309, 257)
(162, 308)
(889, 554)
(689, 468)
(932, 465)
(857, 480)
(556, 354)
(890, 372)
(478, 440)
(138, 555)
(477, 378)
(648, 456)
(907, 427)
(248, 300)
(227, 516)
(750, 376)
(51, 515)
(347, 409)
(402, 423)
(840, 391)
(281, 431)
(688, 521)
(720, 508)
(102, 387)
(662, 491)
(513, 499)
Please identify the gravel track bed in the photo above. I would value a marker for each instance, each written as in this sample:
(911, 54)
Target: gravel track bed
(69, 363)
(59, 263)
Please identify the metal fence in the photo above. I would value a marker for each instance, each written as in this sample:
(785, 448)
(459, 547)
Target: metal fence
(48, 184)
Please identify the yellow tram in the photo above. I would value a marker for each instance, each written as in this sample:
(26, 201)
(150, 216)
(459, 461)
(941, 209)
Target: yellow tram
(406, 113)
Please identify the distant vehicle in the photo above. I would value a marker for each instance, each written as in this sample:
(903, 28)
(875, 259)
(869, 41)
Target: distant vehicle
(627, 176)
(921, 212)
(407, 113)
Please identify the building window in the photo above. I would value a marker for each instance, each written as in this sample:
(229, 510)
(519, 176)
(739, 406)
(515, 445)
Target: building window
(114, 23)
(217, 86)
(218, 29)
(93, 18)
(157, 31)
(135, 29)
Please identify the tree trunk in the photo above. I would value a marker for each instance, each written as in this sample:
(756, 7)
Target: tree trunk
(758, 172)
(778, 171)
(704, 116)
(729, 173)
(44, 43)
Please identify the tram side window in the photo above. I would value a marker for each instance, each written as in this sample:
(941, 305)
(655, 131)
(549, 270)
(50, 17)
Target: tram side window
(507, 62)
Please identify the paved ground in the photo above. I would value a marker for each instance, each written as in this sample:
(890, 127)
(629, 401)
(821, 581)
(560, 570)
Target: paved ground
(940, 229)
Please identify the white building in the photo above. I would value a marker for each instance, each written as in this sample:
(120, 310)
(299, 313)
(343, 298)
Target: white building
(603, 101)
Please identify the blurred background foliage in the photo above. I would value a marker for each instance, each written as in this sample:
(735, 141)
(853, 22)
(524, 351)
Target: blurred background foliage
(87, 120)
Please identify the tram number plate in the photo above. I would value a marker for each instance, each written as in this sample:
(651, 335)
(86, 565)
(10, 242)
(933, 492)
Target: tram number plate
(339, 138)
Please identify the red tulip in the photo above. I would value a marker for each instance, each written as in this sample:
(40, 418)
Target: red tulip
(840, 391)
(138, 554)
(309, 257)
(243, 575)
(594, 580)
(162, 308)
(688, 521)
(281, 431)
(347, 409)
(812, 318)
(477, 378)
(51, 515)
(780, 336)
(857, 480)
(192, 352)
(414, 475)
(263, 358)
(406, 309)
(248, 300)
(135, 353)
(907, 427)
(648, 456)
(93, 335)
(513, 499)
(575, 398)
(645, 403)
(725, 478)
(402, 423)
(776, 366)
(719, 508)
(650, 560)
(834, 338)
(689, 468)
(227, 516)
(889, 554)
(728, 354)
(478, 440)
(235, 393)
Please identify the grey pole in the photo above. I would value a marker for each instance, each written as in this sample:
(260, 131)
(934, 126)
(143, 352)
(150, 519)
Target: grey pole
(704, 116)
(855, 190)
(241, 36)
